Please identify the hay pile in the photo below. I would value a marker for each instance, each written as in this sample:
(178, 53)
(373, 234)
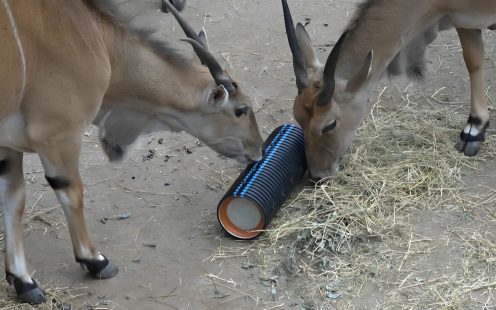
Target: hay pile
(358, 228)
(399, 161)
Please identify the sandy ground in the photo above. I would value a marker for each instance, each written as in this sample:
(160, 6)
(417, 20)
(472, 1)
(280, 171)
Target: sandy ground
(170, 248)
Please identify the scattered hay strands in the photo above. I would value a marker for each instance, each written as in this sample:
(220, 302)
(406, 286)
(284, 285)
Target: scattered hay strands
(401, 163)
(361, 228)
(59, 298)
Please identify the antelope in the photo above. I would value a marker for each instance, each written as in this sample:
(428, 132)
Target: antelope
(384, 36)
(66, 64)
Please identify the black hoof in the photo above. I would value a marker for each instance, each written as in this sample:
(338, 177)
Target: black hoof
(103, 269)
(26, 292)
(460, 145)
(469, 149)
(472, 137)
(108, 272)
(34, 296)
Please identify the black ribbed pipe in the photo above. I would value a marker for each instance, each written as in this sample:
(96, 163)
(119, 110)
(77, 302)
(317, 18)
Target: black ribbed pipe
(256, 195)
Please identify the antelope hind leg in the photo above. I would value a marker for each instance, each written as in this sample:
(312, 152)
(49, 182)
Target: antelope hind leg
(12, 199)
(473, 134)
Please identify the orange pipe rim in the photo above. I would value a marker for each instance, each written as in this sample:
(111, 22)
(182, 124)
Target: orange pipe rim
(234, 230)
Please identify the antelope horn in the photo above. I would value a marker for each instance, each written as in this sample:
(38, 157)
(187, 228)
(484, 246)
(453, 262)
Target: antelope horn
(327, 91)
(298, 60)
(203, 38)
(178, 4)
(206, 58)
(212, 64)
(188, 30)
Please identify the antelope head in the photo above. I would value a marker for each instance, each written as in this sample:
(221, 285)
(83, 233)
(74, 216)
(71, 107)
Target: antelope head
(232, 129)
(329, 109)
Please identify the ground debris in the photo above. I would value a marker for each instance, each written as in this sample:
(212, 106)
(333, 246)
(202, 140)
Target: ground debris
(331, 293)
(150, 155)
(188, 150)
(247, 265)
(218, 294)
(268, 280)
(168, 181)
(122, 216)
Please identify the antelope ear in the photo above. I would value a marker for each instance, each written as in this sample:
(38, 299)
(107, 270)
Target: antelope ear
(218, 97)
(311, 60)
(361, 76)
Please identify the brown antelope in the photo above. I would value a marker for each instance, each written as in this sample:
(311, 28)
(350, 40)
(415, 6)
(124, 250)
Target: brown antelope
(68, 63)
(384, 36)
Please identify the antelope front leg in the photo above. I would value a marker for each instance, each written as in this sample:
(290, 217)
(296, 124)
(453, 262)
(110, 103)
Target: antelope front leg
(472, 136)
(12, 199)
(62, 173)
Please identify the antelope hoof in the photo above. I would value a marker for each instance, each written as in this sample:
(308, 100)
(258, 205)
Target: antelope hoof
(103, 269)
(468, 148)
(472, 136)
(26, 292)
(107, 272)
(33, 296)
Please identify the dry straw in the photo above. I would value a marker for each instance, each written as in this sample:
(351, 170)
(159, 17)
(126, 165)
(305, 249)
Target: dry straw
(399, 161)
(59, 298)
(355, 228)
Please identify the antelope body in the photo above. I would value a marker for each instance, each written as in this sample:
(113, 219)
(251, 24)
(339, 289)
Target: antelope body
(65, 64)
(384, 36)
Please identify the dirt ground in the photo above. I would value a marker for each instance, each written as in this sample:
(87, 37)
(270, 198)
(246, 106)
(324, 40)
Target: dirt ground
(154, 214)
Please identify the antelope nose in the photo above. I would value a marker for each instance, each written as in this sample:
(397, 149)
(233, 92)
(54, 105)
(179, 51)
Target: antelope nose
(253, 158)
(312, 178)
(256, 156)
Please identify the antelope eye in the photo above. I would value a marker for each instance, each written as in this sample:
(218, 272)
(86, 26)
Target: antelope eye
(235, 85)
(241, 111)
(329, 127)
